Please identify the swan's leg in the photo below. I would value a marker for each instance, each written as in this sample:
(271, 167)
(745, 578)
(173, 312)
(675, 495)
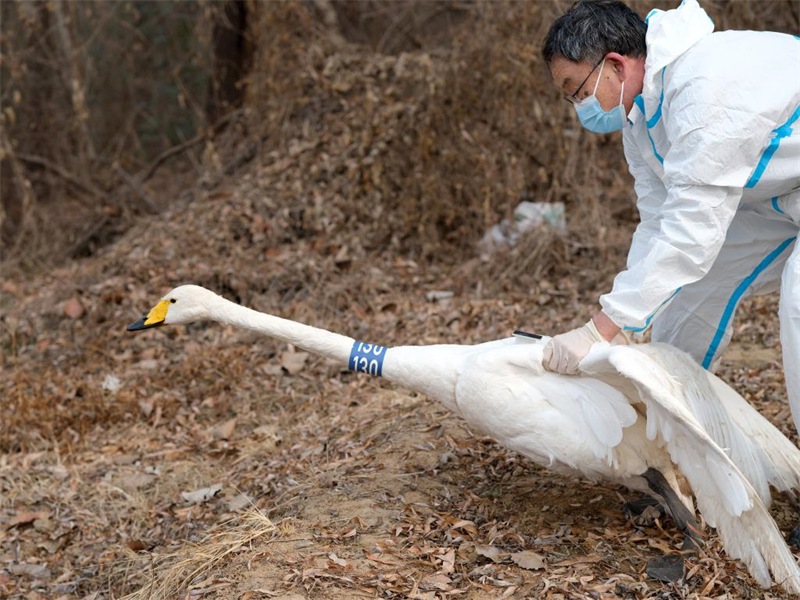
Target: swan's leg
(670, 568)
(682, 515)
(793, 539)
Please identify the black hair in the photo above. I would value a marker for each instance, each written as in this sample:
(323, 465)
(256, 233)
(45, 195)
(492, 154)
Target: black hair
(590, 29)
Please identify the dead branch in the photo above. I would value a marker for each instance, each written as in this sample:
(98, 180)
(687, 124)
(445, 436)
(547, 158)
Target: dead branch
(137, 187)
(175, 150)
(60, 171)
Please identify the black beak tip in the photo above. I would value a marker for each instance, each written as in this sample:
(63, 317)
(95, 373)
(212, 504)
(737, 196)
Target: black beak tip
(137, 325)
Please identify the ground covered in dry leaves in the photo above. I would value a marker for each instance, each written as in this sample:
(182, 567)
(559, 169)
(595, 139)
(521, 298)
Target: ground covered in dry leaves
(207, 462)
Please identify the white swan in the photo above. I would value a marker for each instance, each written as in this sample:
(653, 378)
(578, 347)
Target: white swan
(643, 416)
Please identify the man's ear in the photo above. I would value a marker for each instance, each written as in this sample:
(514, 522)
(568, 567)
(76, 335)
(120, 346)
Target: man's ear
(619, 63)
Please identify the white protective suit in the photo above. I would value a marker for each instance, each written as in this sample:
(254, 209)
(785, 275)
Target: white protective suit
(713, 143)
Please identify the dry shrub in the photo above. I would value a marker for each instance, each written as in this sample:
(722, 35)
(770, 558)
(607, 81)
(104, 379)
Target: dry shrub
(93, 92)
(435, 118)
(434, 147)
(420, 152)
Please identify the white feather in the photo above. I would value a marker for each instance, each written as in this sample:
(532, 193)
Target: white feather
(724, 495)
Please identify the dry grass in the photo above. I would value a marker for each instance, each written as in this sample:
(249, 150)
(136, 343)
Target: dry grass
(185, 571)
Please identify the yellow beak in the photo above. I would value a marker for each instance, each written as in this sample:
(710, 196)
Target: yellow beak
(154, 318)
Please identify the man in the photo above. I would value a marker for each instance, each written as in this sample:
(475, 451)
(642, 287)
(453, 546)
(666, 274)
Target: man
(711, 133)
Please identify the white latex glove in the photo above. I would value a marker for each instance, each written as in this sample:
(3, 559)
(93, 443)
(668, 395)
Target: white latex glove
(565, 351)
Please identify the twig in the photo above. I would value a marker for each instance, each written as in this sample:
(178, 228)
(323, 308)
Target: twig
(58, 170)
(136, 187)
(87, 235)
(169, 153)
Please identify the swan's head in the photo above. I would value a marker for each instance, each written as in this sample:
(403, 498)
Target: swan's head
(184, 304)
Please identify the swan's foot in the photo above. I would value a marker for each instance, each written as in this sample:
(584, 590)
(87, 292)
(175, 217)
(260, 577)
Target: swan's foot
(794, 499)
(646, 507)
(793, 539)
(690, 545)
(669, 568)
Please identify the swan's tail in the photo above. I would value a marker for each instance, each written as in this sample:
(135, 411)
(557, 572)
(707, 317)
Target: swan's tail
(728, 502)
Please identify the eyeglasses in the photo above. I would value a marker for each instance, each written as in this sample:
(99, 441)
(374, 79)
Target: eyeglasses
(573, 98)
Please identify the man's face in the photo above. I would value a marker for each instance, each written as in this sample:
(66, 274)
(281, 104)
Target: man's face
(577, 80)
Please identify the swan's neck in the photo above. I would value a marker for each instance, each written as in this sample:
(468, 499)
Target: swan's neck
(430, 370)
(319, 341)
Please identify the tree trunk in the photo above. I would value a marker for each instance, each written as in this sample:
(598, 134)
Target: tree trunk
(230, 60)
(74, 83)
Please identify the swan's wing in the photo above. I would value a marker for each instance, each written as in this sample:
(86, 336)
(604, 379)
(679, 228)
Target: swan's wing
(756, 446)
(780, 458)
(704, 402)
(577, 422)
(598, 412)
(601, 412)
(723, 493)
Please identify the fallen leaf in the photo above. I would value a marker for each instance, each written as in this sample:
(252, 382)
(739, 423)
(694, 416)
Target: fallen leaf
(528, 560)
(438, 295)
(258, 593)
(73, 308)
(668, 569)
(26, 518)
(112, 384)
(437, 581)
(577, 561)
(338, 561)
(448, 561)
(146, 406)
(467, 526)
(52, 546)
(202, 495)
(491, 552)
(139, 545)
(379, 558)
(59, 472)
(29, 570)
(239, 502)
(45, 525)
(293, 362)
(135, 481)
(223, 431)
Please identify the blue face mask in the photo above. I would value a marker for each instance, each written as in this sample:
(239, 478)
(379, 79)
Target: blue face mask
(594, 118)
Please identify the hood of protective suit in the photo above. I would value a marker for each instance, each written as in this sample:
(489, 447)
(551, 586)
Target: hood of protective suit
(669, 35)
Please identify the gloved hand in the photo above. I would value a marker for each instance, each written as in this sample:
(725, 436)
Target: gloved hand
(565, 351)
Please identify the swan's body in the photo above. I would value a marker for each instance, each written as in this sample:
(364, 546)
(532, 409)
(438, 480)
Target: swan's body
(623, 421)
